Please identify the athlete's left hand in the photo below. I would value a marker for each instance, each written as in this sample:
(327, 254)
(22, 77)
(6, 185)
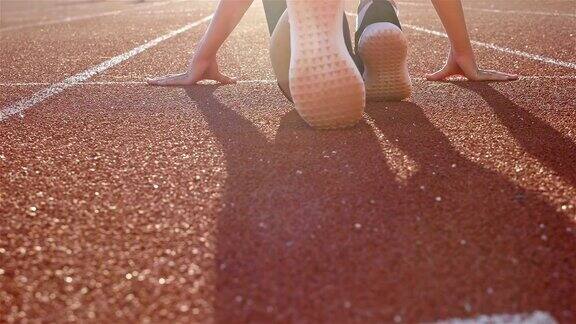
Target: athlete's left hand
(465, 65)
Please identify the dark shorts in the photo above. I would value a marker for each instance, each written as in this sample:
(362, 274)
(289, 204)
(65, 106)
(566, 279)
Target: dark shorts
(273, 10)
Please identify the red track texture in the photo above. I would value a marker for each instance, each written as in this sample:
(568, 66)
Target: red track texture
(121, 202)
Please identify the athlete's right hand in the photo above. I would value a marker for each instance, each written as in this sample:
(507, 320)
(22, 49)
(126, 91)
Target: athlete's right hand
(465, 65)
(199, 69)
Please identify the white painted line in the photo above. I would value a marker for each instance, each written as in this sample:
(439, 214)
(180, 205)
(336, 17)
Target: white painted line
(537, 317)
(128, 82)
(23, 84)
(61, 21)
(36, 84)
(503, 11)
(140, 11)
(535, 57)
(38, 97)
(112, 83)
(56, 6)
(137, 82)
(549, 77)
(522, 12)
(44, 10)
(83, 17)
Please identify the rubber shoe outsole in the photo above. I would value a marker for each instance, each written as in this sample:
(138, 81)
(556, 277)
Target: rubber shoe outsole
(325, 85)
(383, 49)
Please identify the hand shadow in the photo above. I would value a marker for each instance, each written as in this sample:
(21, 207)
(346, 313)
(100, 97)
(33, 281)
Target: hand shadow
(537, 137)
(316, 228)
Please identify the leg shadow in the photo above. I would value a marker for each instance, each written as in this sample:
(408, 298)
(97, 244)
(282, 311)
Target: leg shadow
(316, 228)
(486, 245)
(536, 136)
(305, 229)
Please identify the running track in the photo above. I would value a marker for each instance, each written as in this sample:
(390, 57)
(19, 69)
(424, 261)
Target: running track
(121, 202)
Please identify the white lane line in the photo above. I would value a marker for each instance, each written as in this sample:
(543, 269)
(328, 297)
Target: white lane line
(143, 12)
(522, 12)
(137, 82)
(549, 77)
(535, 57)
(57, 6)
(38, 97)
(128, 82)
(503, 11)
(84, 17)
(537, 317)
(61, 21)
(23, 84)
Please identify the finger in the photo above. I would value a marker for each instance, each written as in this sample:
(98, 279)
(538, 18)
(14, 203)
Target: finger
(440, 74)
(489, 75)
(508, 76)
(224, 79)
(175, 80)
(492, 76)
(512, 77)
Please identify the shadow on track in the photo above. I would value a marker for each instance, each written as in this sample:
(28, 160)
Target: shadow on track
(316, 228)
(534, 135)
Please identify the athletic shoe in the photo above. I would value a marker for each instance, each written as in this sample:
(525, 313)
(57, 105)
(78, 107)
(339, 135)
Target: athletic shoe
(280, 44)
(327, 89)
(382, 49)
(280, 54)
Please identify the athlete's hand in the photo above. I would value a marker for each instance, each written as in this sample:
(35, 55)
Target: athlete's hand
(199, 69)
(465, 65)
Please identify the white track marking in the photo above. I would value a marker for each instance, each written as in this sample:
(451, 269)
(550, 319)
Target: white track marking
(258, 81)
(534, 57)
(23, 84)
(502, 11)
(522, 12)
(49, 9)
(84, 17)
(61, 21)
(143, 12)
(137, 82)
(38, 97)
(128, 82)
(537, 317)
(549, 77)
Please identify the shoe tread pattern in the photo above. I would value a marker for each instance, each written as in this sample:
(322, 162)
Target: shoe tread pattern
(327, 89)
(383, 49)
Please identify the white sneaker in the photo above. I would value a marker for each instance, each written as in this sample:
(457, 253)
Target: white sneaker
(327, 89)
(382, 49)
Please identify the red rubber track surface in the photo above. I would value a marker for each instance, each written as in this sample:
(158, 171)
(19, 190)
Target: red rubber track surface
(121, 202)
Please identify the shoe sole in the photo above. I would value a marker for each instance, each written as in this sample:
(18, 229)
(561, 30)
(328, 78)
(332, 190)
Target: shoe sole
(327, 89)
(383, 49)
